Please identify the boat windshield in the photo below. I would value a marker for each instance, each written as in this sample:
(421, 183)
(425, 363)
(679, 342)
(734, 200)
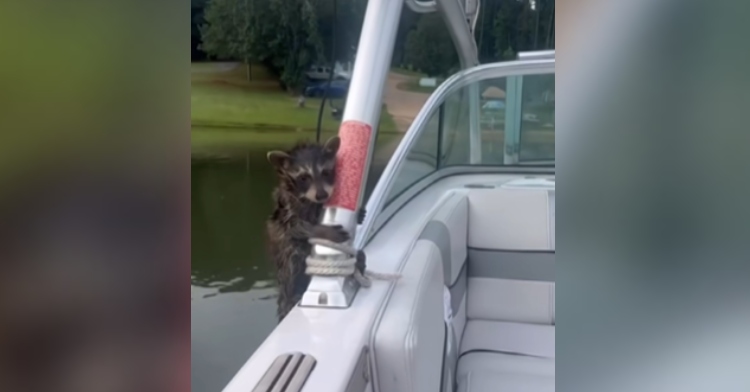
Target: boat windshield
(515, 117)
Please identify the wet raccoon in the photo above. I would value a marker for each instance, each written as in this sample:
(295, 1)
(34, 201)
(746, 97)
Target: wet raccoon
(306, 179)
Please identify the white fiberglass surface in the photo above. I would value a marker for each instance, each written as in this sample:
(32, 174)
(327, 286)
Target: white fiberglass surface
(335, 337)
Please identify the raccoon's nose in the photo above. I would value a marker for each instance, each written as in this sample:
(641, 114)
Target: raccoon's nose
(321, 195)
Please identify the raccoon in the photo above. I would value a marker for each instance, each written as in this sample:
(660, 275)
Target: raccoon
(306, 181)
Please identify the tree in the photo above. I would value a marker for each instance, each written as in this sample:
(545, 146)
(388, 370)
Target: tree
(287, 36)
(550, 33)
(231, 30)
(196, 20)
(502, 29)
(429, 48)
(280, 34)
(347, 24)
(516, 25)
(219, 32)
(297, 42)
(407, 24)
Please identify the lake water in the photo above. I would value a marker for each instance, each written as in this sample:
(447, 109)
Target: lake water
(233, 303)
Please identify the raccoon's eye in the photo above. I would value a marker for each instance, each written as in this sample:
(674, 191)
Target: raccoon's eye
(327, 174)
(304, 179)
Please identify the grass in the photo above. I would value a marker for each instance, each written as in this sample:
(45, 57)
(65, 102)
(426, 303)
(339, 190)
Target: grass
(413, 86)
(239, 111)
(228, 142)
(413, 83)
(231, 141)
(407, 72)
(203, 67)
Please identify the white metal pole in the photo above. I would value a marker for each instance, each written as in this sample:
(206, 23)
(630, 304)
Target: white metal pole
(359, 124)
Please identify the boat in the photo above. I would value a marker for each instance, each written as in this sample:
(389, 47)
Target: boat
(463, 218)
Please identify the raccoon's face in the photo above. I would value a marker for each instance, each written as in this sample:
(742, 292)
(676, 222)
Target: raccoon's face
(308, 170)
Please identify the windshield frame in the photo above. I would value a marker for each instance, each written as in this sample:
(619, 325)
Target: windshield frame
(376, 216)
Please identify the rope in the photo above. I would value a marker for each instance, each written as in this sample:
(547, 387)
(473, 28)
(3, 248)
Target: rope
(342, 267)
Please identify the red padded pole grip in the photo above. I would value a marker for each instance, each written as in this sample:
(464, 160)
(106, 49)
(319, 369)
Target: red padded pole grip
(351, 162)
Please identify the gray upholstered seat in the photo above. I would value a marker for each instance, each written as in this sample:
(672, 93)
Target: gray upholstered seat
(508, 343)
(495, 248)
(411, 334)
(506, 382)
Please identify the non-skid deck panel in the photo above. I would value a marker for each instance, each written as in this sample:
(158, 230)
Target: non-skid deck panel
(287, 373)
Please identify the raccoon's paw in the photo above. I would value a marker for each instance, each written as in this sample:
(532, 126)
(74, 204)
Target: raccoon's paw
(335, 233)
(338, 234)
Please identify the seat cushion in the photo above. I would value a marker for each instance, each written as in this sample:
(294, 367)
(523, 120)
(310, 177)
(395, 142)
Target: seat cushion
(505, 382)
(409, 340)
(503, 356)
(490, 362)
(535, 340)
(511, 219)
(523, 301)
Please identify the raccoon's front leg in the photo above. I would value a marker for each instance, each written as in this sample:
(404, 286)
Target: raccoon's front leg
(283, 308)
(361, 263)
(292, 282)
(285, 276)
(305, 230)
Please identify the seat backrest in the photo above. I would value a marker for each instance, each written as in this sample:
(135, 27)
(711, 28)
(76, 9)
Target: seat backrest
(410, 338)
(447, 230)
(442, 246)
(511, 255)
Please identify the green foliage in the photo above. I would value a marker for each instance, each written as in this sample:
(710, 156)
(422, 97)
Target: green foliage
(224, 99)
(346, 21)
(281, 34)
(516, 27)
(286, 36)
(406, 25)
(429, 47)
(297, 43)
(501, 29)
(218, 35)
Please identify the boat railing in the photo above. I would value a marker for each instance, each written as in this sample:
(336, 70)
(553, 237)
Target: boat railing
(422, 7)
(537, 55)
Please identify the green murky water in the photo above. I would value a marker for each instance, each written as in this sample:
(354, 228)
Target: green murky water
(232, 287)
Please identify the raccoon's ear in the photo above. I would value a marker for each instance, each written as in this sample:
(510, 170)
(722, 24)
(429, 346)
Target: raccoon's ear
(279, 159)
(332, 145)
